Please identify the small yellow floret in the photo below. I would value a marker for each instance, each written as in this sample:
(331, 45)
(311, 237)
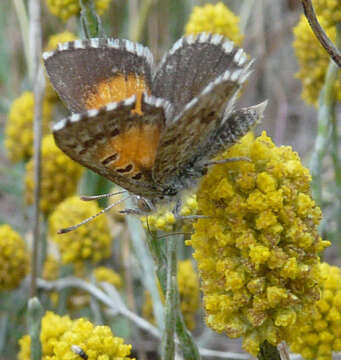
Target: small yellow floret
(163, 219)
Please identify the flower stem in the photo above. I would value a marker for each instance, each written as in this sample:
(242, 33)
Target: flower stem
(332, 50)
(23, 24)
(137, 27)
(4, 320)
(90, 21)
(326, 114)
(268, 352)
(38, 84)
(335, 146)
(63, 295)
(137, 235)
(168, 344)
(187, 344)
(35, 314)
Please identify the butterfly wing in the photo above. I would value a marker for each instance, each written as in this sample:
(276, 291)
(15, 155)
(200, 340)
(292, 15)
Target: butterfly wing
(88, 74)
(185, 137)
(191, 64)
(115, 142)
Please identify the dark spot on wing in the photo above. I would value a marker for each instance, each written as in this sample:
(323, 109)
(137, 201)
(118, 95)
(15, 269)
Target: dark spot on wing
(109, 159)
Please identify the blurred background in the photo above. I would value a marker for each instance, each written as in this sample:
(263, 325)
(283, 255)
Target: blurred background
(289, 71)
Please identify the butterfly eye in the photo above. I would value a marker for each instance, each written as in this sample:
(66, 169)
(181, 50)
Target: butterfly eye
(170, 191)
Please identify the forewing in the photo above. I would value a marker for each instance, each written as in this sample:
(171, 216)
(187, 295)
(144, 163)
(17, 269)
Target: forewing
(191, 64)
(88, 74)
(115, 142)
(183, 140)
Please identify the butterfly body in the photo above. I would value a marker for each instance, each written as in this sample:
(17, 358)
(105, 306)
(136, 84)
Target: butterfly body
(150, 131)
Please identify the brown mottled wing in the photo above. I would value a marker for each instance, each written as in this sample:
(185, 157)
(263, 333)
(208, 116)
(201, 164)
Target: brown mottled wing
(184, 139)
(88, 74)
(115, 142)
(191, 64)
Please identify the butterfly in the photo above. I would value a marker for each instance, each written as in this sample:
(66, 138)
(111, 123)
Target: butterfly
(151, 130)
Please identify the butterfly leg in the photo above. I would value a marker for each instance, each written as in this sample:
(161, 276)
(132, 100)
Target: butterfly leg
(177, 209)
(136, 212)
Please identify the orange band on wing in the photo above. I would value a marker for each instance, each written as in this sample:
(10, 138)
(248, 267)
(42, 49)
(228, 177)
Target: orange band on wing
(137, 147)
(114, 89)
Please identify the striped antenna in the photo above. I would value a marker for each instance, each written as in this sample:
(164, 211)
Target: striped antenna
(102, 196)
(74, 227)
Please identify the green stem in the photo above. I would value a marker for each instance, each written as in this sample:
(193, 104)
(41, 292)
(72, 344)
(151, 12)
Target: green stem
(187, 344)
(43, 244)
(137, 235)
(268, 352)
(65, 270)
(168, 344)
(24, 25)
(335, 146)
(35, 314)
(137, 27)
(90, 21)
(94, 304)
(4, 319)
(325, 119)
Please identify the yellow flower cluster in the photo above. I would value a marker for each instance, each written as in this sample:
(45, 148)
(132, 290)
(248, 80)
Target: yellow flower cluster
(19, 127)
(321, 334)
(329, 10)
(257, 252)
(89, 242)
(313, 60)
(53, 41)
(60, 176)
(14, 258)
(188, 285)
(62, 337)
(214, 19)
(108, 275)
(64, 9)
(163, 219)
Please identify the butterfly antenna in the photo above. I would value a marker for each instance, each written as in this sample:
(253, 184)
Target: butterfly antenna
(175, 233)
(102, 196)
(74, 227)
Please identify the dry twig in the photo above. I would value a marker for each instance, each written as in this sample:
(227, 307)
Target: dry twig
(332, 50)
